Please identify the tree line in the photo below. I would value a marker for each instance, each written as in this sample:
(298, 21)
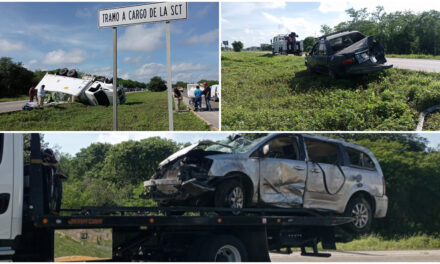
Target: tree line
(399, 32)
(15, 79)
(104, 174)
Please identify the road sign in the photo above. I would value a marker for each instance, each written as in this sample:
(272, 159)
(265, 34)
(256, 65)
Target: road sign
(140, 14)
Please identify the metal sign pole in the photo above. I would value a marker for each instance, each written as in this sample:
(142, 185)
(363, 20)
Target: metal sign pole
(115, 80)
(170, 92)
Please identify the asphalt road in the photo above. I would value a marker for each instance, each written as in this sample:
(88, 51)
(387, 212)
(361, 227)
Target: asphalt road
(211, 117)
(11, 106)
(364, 256)
(415, 64)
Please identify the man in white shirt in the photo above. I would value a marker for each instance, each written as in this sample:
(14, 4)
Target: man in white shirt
(41, 94)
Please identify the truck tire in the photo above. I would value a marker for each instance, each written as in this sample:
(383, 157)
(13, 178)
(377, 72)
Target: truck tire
(72, 73)
(224, 248)
(230, 194)
(360, 209)
(63, 72)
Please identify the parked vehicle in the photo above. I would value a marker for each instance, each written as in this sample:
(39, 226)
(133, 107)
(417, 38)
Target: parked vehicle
(279, 170)
(347, 52)
(287, 44)
(215, 92)
(88, 90)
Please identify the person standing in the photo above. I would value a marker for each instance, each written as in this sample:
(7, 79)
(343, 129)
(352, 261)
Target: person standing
(207, 93)
(41, 94)
(198, 98)
(178, 95)
(31, 94)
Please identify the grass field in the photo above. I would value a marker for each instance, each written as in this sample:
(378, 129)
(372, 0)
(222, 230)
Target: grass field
(67, 246)
(266, 92)
(414, 56)
(16, 98)
(142, 111)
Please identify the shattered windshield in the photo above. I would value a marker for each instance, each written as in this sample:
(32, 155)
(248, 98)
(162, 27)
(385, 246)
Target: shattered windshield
(233, 144)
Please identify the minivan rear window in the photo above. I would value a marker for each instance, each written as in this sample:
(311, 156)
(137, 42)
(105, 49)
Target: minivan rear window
(360, 159)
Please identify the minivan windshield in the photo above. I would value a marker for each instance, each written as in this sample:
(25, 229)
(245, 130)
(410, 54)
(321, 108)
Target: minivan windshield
(233, 144)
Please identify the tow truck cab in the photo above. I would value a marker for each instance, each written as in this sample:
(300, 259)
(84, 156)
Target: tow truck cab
(11, 189)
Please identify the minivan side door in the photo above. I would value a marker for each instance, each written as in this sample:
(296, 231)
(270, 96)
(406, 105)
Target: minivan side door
(283, 172)
(325, 177)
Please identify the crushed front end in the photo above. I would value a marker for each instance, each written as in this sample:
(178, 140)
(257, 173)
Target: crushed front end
(184, 180)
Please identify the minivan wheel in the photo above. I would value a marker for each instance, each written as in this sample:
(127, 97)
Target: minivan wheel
(230, 194)
(360, 209)
(332, 74)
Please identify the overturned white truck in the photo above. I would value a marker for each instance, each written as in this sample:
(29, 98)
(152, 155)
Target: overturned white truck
(88, 90)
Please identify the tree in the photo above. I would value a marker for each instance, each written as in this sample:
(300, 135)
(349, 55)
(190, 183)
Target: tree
(14, 78)
(237, 46)
(325, 30)
(156, 84)
(308, 43)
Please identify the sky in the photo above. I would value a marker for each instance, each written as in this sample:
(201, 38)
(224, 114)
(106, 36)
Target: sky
(50, 35)
(72, 143)
(256, 23)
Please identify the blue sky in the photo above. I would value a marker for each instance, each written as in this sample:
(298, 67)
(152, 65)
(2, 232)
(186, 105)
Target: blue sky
(72, 143)
(256, 23)
(49, 35)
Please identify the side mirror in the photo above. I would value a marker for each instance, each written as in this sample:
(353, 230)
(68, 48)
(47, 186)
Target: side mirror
(266, 150)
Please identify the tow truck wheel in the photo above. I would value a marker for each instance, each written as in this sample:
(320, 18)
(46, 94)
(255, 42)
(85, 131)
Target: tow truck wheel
(223, 249)
(360, 209)
(230, 194)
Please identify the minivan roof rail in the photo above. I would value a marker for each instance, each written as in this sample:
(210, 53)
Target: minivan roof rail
(334, 33)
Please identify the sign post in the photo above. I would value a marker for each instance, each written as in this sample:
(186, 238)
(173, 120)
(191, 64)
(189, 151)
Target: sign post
(140, 14)
(115, 78)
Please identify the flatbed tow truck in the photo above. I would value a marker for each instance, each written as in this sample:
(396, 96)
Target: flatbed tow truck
(157, 233)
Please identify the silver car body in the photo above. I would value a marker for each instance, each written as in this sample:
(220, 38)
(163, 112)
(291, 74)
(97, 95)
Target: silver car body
(300, 180)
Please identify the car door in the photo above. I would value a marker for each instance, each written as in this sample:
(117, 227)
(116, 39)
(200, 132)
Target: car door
(6, 185)
(311, 59)
(283, 172)
(325, 178)
(321, 57)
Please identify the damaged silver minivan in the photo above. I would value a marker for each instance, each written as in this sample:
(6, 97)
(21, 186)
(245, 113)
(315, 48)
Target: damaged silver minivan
(278, 170)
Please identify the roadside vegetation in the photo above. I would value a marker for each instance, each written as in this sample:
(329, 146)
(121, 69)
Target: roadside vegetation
(65, 245)
(266, 92)
(144, 111)
(414, 56)
(14, 98)
(378, 242)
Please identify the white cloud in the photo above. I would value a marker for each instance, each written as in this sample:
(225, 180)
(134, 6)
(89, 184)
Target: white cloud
(100, 71)
(188, 67)
(29, 64)
(142, 38)
(84, 12)
(150, 69)
(7, 46)
(206, 38)
(61, 57)
(327, 6)
(135, 61)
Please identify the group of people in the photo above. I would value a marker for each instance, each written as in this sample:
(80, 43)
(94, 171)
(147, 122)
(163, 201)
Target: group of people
(197, 97)
(40, 93)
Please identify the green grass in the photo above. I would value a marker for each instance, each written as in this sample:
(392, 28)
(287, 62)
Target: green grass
(66, 246)
(376, 242)
(432, 121)
(265, 92)
(142, 111)
(414, 56)
(16, 98)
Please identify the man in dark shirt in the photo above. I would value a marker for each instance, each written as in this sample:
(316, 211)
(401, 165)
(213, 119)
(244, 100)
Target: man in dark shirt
(207, 93)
